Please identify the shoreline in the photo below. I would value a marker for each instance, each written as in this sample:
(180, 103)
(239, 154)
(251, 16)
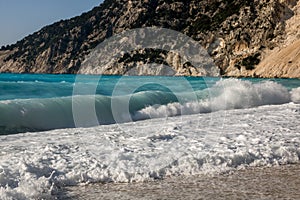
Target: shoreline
(275, 182)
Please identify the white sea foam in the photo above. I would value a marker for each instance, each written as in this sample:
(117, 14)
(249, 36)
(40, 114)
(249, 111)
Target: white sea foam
(34, 165)
(226, 94)
(295, 95)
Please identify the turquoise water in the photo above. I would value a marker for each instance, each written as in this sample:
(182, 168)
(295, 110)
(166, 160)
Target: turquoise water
(35, 102)
(28, 86)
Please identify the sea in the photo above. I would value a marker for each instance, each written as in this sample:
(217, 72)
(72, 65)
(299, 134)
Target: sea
(59, 131)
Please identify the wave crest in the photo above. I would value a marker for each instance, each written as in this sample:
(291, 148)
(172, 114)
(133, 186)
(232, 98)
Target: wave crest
(295, 95)
(226, 94)
(45, 114)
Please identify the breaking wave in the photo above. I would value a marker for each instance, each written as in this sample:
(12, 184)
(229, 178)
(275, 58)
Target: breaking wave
(54, 113)
(225, 95)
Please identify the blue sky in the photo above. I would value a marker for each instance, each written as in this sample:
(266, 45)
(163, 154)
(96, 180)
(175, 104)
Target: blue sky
(19, 18)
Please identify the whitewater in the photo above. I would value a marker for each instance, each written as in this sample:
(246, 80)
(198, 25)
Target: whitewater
(142, 129)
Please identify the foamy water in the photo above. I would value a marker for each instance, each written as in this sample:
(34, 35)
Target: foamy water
(35, 164)
(231, 125)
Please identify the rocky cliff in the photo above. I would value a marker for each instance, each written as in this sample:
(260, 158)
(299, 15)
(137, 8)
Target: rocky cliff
(238, 35)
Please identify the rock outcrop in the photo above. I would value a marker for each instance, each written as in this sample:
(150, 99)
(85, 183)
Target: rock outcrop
(283, 60)
(284, 63)
(238, 35)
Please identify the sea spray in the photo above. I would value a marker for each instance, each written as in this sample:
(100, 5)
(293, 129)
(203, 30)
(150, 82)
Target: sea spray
(225, 95)
(295, 95)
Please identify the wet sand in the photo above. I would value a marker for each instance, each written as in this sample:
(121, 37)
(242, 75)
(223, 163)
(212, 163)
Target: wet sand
(279, 182)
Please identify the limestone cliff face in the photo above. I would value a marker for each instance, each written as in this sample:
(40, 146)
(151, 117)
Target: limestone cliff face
(284, 59)
(237, 34)
(283, 63)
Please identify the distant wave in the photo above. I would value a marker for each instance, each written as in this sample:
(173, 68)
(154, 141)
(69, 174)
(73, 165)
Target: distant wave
(54, 113)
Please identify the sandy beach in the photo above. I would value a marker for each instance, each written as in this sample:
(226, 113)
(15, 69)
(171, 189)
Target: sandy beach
(279, 182)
